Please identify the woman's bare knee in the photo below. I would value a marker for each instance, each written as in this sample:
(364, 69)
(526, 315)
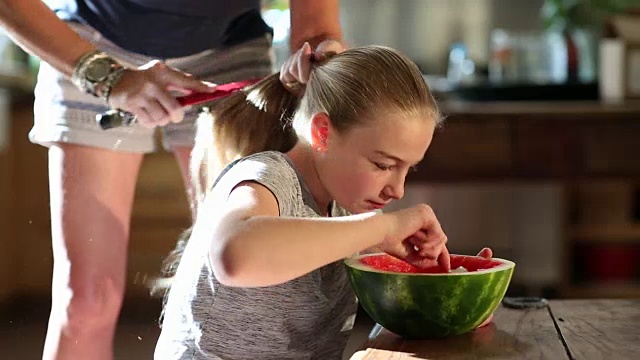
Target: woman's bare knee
(88, 305)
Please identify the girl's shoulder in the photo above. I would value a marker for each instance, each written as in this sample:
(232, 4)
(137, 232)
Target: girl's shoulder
(255, 165)
(267, 157)
(272, 164)
(269, 169)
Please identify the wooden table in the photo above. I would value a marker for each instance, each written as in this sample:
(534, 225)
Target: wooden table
(566, 329)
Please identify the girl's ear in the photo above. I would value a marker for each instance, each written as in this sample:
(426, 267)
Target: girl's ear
(320, 125)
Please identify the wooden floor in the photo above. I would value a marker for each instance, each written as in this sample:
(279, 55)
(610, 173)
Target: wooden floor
(23, 327)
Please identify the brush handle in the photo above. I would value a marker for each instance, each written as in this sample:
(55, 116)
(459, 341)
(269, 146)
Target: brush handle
(116, 117)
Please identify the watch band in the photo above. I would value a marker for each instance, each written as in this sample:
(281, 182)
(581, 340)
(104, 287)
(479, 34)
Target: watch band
(101, 86)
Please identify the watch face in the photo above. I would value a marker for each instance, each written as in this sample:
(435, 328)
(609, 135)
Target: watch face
(98, 70)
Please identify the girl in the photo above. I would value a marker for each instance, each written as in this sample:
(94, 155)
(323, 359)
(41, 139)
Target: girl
(293, 185)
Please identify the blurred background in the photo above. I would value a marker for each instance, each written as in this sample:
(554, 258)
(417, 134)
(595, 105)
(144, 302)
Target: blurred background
(538, 158)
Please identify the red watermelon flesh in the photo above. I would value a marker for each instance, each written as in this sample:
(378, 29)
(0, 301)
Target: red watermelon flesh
(392, 264)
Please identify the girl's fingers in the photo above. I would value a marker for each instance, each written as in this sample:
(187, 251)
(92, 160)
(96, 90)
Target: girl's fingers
(444, 259)
(486, 253)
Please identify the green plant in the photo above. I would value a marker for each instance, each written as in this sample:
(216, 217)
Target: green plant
(566, 15)
(275, 4)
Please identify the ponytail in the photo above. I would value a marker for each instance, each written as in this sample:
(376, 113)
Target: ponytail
(250, 121)
(255, 119)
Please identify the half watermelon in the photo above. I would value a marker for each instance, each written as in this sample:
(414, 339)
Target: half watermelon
(429, 303)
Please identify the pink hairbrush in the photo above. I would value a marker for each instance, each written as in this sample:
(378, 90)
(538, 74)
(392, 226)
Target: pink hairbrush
(115, 117)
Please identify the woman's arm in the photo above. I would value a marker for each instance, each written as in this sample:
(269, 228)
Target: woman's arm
(251, 245)
(143, 92)
(37, 29)
(314, 22)
(318, 24)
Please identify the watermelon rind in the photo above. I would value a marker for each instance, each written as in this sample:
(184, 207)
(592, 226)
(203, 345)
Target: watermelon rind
(427, 306)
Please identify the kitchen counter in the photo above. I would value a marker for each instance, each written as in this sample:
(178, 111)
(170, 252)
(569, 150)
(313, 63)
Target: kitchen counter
(557, 109)
(533, 140)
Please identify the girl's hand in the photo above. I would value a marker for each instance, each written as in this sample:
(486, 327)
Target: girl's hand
(296, 70)
(416, 237)
(487, 254)
(145, 92)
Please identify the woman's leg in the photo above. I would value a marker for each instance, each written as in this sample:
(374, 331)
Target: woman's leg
(92, 192)
(182, 155)
(92, 174)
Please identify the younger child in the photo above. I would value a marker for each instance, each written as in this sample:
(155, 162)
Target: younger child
(290, 186)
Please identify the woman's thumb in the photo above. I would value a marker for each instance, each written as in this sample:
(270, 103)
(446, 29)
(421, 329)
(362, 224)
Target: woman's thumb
(184, 81)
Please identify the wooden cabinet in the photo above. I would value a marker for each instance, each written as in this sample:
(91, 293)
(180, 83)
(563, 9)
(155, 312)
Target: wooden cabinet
(470, 149)
(590, 149)
(603, 236)
(25, 248)
(7, 245)
(160, 214)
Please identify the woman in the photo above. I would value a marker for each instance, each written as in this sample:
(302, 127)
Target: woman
(129, 55)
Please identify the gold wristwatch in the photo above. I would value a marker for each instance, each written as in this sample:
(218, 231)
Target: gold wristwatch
(96, 72)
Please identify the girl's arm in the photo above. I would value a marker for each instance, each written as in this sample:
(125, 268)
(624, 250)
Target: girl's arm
(251, 245)
(38, 31)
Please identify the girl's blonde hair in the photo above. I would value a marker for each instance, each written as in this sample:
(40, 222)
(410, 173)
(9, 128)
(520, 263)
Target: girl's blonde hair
(352, 88)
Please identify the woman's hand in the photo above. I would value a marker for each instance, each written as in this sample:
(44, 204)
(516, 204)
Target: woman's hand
(415, 236)
(146, 92)
(296, 70)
